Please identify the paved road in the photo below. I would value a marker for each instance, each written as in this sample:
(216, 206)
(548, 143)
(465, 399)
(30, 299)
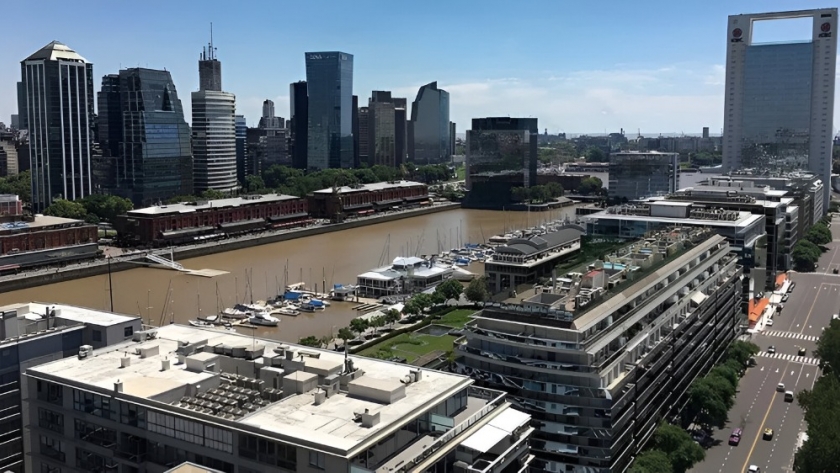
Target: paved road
(758, 404)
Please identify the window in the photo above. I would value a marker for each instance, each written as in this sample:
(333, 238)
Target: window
(89, 461)
(47, 468)
(50, 420)
(268, 452)
(52, 448)
(95, 404)
(95, 434)
(133, 415)
(50, 392)
(316, 459)
(128, 331)
(97, 335)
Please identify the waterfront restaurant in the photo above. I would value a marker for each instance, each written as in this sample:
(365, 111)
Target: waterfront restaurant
(525, 260)
(337, 203)
(405, 275)
(194, 221)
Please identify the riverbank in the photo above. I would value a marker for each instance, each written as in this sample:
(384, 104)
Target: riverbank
(133, 260)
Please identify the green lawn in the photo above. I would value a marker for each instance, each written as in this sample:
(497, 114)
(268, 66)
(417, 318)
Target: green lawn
(409, 346)
(457, 318)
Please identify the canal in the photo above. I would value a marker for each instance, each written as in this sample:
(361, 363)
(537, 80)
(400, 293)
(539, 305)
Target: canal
(260, 272)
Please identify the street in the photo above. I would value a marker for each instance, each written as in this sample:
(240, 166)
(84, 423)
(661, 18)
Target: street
(758, 404)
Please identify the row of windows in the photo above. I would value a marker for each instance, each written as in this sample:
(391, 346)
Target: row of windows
(190, 431)
(268, 452)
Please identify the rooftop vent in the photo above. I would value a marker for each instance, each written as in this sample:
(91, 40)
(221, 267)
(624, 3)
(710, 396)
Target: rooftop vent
(125, 362)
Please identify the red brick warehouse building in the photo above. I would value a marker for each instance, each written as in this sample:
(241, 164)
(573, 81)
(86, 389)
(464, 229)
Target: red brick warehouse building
(44, 240)
(195, 221)
(341, 202)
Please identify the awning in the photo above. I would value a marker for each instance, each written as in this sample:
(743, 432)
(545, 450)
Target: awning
(279, 218)
(485, 439)
(698, 297)
(187, 232)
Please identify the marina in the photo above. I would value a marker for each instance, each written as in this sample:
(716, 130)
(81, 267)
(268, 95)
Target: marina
(327, 264)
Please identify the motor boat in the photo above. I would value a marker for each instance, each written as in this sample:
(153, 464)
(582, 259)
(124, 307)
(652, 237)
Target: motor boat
(263, 318)
(286, 310)
(313, 305)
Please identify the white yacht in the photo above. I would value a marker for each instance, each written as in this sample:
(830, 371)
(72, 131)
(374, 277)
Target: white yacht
(262, 317)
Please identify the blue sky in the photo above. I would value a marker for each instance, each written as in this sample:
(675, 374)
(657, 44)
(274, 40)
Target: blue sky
(654, 65)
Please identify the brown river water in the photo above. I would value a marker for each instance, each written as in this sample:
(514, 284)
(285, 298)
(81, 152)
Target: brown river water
(259, 272)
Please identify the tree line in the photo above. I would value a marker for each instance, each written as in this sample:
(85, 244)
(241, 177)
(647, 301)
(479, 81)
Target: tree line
(709, 400)
(541, 193)
(806, 252)
(821, 451)
(94, 208)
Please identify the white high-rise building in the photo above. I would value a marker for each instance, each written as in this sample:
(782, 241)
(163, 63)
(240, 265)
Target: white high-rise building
(779, 104)
(213, 129)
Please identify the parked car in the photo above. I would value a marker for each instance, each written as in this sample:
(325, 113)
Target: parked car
(735, 437)
(785, 297)
(769, 323)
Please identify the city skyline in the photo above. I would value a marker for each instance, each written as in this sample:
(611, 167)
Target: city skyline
(578, 71)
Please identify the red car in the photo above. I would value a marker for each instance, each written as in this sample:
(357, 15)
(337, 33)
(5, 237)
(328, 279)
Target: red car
(735, 437)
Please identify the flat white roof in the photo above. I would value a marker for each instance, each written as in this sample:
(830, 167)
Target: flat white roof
(745, 219)
(496, 430)
(330, 426)
(34, 310)
(376, 186)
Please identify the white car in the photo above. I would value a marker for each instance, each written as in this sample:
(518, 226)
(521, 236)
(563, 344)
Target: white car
(769, 323)
(754, 469)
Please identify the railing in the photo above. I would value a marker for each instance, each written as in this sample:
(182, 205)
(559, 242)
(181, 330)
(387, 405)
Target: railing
(460, 428)
(161, 260)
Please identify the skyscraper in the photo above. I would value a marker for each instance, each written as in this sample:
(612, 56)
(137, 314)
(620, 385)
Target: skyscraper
(213, 128)
(242, 169)
(298, 123)
(501, 155)
(430, 125)
(779, 104)
(329, 79)
(364, 135)
(269, 121)
(382, 129)
(58, 110)
(143, 134)
(355, 121)
(401, 131)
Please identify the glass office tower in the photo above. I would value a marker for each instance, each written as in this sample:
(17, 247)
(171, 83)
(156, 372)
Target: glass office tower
(58, 93)
(501, 155)
(634, 174)
(779, 103)
(430, 122)
(298, 123)
(143, 132)
(329, 79)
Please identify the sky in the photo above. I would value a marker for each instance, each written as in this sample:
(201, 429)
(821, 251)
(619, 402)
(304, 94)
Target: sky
(652, 66)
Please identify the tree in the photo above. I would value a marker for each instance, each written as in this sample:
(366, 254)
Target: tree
(411, 307)
(66, 209)
(828, 345)
(805, 254)
(596, 155)
(818, 234)
(377, 322)
(706, 406)
(519, 194)
(590, 186)
(359, 325)
(820, 453)
(213, 194)
(681, 450)
(726, 373)
(554, 189)
(652, 461)
(106, 207)
(392, 316)
(741, 351)
(254, 183)
(477, 291)
(449, 289)
(345, 334)
(19, 184)
(424, 301)
(310, 341)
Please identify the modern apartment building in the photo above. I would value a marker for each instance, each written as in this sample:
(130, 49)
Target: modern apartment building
(382, 129)
(298, 123)
(329, 81)
(779, 103)
(31, 334)
(213, 129)
(501, 155)
(56, 95)
(606, 353)
(635, 175)
(430, 128)
(233, 403)
(144, 137)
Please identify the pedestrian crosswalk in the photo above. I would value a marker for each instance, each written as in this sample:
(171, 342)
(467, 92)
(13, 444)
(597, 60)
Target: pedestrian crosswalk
(794, 335)
(793, 358)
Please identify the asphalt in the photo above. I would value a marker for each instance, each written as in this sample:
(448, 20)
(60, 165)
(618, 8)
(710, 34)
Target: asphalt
(758, 405)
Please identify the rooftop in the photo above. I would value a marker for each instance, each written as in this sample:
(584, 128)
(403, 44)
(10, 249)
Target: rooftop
(331, 423)
(186, 207)
(534, 244)
(376, 186)
(55, 51)
(704, 217)
(20, 322)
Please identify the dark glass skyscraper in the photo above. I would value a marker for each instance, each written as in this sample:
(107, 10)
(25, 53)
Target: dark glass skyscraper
(430, 126)
(58, 103)
(329, 79)
(241, 153)
(501, 155)
(298, 123)
(143, 132)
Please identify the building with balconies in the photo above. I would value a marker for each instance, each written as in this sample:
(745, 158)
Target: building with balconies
(601, 356)
(233, 403)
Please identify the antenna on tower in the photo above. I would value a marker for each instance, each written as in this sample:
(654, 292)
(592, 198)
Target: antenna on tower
(211, 49)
